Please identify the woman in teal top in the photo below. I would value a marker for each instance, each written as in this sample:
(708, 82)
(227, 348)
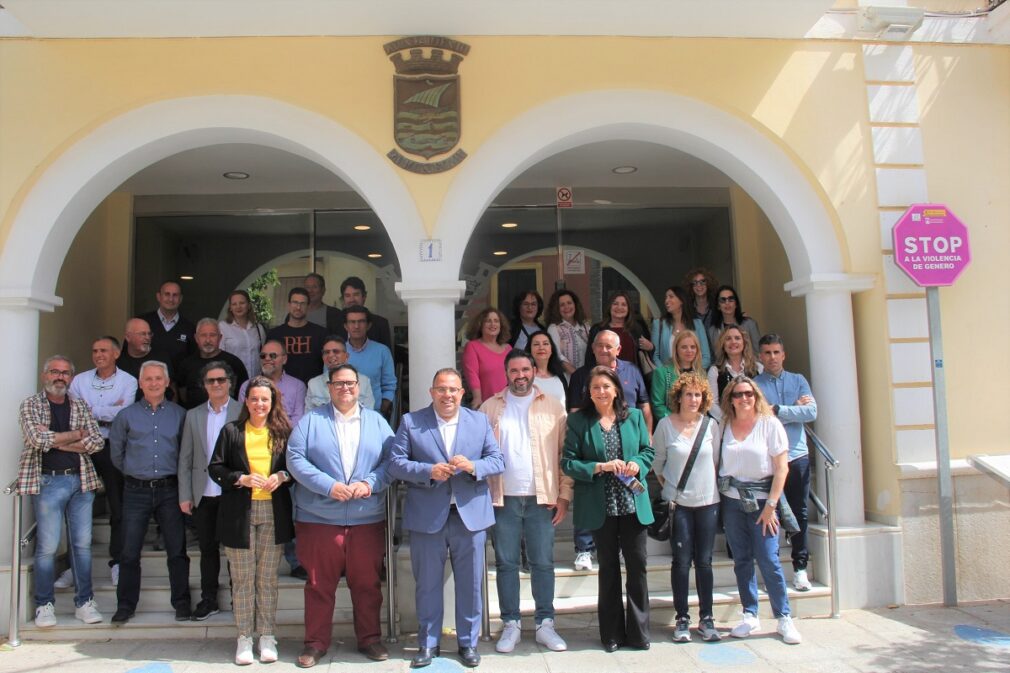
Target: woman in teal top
(608, 453)
(687, 346)
(679, 317)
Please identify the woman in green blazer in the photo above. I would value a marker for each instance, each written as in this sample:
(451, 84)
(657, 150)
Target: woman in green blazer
(607, 452)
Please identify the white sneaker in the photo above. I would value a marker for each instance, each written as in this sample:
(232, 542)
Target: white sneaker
(788, 631)
(45, 616)
(509, 638)
(244, 651)
(88, 613)
(549, 638)
(747, 625)
(800, 581)
(268, 649)
(114, 574)
(65, 580)
(584, 560)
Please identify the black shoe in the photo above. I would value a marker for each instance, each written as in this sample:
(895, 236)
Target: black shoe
(300, 573)
(204, 609)
(640, 646)
(611, 646)
(424, 656)
(183, 613)
(122, 616)
(469, 657)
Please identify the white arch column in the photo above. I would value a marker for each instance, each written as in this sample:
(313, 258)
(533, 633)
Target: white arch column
(431, 307)
(834, 382)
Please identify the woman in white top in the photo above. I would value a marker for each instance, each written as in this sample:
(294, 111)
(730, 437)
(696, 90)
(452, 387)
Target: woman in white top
(241, 333)
(550, 376)
(695, 509)
(734, 356)
(752, 473)
(569, 329)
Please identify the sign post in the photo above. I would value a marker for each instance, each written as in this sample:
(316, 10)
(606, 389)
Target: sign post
(931, 246)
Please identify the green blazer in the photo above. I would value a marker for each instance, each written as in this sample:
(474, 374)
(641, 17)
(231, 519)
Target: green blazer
(584, 449)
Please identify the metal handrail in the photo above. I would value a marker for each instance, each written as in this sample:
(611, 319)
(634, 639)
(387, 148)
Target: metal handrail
(17, 544)
(392, 500)
(830, 463)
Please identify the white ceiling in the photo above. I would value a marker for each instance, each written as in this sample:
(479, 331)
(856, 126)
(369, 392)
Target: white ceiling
(206, 18)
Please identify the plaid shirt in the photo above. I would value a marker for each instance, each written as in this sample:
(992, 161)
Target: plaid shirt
(35, 412)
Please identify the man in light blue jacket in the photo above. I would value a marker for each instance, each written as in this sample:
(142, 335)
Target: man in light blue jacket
(793, 404)
(338, 454)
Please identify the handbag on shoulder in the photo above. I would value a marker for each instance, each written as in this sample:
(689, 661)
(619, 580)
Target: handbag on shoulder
(662, 510)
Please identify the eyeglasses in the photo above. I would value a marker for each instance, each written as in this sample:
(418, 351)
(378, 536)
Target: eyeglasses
(62, 373)
(269, 356)
(727, 300)
(333, 351)
(737, 394)
(217, 380)
(447, 390)
(529, 304)
(699, 282)
(346, 385)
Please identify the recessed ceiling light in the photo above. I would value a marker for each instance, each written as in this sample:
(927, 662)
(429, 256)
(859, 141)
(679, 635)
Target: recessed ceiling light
(374, 255)
(361, 227)
(602, 202)
(236, 175)
(624, 170)
(185, 277)
(500, 253)
(509, 225)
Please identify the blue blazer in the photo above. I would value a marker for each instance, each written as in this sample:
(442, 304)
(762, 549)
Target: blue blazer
(418, 445)
(313, 459)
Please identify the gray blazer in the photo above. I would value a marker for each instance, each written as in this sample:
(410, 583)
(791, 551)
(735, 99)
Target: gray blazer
(193, 451)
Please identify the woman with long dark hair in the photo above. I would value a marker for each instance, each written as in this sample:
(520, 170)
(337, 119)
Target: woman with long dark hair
(679, 316)
(568, 327)
(620, 316)
(729, 313)
(608, 454)
(255, 515)
(527, 307)
(550, 376)
(700, 284)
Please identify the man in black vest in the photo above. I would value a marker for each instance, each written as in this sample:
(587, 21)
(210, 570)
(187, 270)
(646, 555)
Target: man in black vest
(171, 332)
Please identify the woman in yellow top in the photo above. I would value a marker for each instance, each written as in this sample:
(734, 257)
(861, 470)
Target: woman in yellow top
(254, 519)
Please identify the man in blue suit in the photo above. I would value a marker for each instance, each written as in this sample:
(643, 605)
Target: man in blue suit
(445, 453)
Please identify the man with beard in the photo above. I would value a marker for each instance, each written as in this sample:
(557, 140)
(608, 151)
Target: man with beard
(303, 340)
(55, 468)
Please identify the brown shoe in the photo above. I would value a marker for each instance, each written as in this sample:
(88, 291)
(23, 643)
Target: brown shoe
(309, 657)
(375, 651)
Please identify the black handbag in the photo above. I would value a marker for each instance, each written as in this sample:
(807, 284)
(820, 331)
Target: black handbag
(662, 527)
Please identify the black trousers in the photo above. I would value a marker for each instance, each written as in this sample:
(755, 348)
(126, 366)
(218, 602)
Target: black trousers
(205, 518)
(623, 625)
(113, 480)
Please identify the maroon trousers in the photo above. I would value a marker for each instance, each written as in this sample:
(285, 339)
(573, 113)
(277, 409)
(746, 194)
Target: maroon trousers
(327, 552)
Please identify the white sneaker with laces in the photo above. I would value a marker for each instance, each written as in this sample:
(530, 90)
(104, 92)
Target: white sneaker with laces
(747, 625)
(88, 613)
(786, 629)
(114, 574)
(244, 651)
(65, 580)
(45, 616)
(509, 638)
(549, 638)
(584, 560)
(800, 581)
(268, 649)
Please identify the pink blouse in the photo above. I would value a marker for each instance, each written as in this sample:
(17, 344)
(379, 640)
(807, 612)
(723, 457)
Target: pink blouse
(484, 369)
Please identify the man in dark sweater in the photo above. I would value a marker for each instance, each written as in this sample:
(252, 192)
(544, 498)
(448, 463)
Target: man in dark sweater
(171, 332)
(192, 388)
(138, 350)
(303, 340)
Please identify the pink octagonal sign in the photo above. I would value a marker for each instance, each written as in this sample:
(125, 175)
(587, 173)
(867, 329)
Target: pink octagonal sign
(931, 244)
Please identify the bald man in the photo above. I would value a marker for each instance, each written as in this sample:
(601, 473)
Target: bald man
(138, 349)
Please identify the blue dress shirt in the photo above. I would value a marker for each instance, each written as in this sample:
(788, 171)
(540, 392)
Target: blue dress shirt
(144, 440)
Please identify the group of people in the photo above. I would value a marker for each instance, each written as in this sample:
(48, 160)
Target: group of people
(290, 454)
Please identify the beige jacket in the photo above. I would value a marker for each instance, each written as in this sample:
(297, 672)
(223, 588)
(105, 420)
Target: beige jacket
(547, 432)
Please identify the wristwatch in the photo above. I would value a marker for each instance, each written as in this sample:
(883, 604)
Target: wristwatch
(772, 503)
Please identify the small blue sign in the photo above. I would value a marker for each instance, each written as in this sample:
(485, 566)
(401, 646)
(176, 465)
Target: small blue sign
(154, 667)
(982, 636)
(726, 655)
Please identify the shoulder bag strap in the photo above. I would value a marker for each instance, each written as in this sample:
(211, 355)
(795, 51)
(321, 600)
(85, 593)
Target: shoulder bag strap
(694, 455)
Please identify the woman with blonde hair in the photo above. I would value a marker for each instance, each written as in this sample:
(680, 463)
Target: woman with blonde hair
(734, 356)
(687, 357)
(484, 354)
(255, 516)
(687, 455)
(753, 465)
(241, 334)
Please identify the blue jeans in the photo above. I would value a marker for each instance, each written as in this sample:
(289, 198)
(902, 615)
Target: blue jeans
(583, 540)
(521, 517)
(749, 544)
(61, 496)
(797, 494)
(693, 537)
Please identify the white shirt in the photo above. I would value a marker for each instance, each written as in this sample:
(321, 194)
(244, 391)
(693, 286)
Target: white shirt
(167, 323)
(243, 343)
(552, 386)
(101, 395)
(516, 445)
(447, 428)
(215, 422)
(348, 436)
(750, 458)
(672, 451)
